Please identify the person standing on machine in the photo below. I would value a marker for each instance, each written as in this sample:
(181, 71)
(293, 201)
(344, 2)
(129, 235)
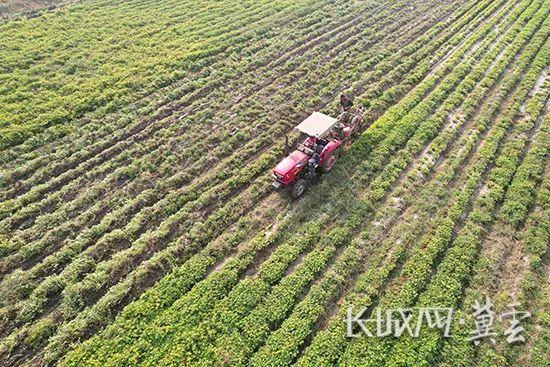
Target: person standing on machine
(345, 102)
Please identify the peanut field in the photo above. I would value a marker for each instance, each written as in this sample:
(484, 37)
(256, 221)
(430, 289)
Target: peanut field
(137, 222)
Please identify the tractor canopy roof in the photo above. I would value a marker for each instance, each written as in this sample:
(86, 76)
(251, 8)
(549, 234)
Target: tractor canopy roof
(317, 124)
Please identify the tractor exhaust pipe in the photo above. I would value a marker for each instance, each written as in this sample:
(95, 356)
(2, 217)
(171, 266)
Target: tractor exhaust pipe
(287, 147)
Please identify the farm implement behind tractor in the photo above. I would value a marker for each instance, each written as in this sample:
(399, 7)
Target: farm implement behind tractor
(323, 137)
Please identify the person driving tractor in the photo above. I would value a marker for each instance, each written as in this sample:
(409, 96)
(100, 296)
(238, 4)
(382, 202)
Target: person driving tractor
(316, 144)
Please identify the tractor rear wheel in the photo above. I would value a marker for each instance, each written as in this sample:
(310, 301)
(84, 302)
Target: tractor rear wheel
(299, 188)
(330, 161)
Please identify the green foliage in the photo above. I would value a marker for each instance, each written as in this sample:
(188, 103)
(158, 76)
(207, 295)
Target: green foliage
(171, 136)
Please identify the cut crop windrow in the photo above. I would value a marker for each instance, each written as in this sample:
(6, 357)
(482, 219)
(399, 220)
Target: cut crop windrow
(178, 134)
(35, 208)
(123, 80)
(253, 48)
(165, 95)
(354, 16)
(94, 153)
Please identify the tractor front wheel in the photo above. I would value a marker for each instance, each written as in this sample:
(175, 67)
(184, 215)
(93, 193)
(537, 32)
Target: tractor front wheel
(299, 188)
(330, 161)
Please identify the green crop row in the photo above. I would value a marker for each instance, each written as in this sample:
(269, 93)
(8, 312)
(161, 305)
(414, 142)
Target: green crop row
(534, 286)
(522, 190)
(193, 270)
(416, 271)
(484, 274)
(272, 307)
(97, 82)
(446, 285)
(48, 283)
(283, 336)
(444, 232)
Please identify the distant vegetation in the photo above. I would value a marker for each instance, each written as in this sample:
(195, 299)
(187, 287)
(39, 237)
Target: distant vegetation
(15, 7)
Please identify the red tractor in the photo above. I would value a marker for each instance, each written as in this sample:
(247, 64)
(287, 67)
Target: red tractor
(323, 137)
